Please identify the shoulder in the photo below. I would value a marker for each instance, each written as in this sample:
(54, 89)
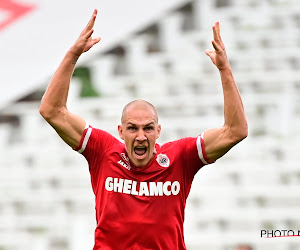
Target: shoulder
(96, 140)
(180, 147)
(181, 144)
(189, 148)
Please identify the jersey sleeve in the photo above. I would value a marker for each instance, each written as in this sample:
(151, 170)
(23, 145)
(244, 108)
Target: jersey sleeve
(193, 153)
(94, 142)
(201, 150)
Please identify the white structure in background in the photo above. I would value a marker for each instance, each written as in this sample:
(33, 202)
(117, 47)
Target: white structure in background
(45, 196)
(35, 34)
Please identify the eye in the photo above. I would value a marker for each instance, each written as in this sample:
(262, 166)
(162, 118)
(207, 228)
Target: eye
(149, 128)
(132, 128)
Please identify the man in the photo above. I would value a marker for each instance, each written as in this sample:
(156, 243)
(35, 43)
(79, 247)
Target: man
(141, 187)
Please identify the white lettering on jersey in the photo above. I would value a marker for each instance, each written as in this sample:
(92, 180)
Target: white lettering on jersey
(123, 155)
(127, 186)
(145, 188)
(118, 185)
(165, 188)
(123, 164)
(109, 186)
(156, 188)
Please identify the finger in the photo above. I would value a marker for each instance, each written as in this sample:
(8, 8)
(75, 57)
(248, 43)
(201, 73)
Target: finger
(92, 20)
(218, 27)
(216, 46)
(96, 40)
(215, 33)
(218, 31)
(92, 43)
(208, 52)
(88, 34)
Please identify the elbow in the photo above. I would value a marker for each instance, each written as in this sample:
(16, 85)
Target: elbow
(45, 112)
(244, 129)
(236, 134)
(240, 133)
(243, 135)
(48, 112)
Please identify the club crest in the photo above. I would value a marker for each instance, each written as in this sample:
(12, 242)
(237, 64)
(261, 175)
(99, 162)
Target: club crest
(163, 160)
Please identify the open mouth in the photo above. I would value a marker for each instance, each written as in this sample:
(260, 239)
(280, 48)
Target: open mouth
(140, 150)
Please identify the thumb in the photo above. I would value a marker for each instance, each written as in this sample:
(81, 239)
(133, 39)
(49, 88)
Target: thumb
(97, 40)
(208, 53)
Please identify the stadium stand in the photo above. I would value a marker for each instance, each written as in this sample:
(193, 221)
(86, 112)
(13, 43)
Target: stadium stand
(46, 202)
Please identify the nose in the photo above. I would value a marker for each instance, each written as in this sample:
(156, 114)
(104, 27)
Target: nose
(141, 136)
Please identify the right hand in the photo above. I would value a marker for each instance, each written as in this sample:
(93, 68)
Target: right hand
(85, 40)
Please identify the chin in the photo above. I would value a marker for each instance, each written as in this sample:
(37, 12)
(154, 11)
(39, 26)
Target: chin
(141, 162)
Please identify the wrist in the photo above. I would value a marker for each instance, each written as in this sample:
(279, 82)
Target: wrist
(76, 50)
(73, 55)
(225, 68)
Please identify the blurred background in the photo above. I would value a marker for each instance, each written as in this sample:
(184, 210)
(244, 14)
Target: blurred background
(152, 50)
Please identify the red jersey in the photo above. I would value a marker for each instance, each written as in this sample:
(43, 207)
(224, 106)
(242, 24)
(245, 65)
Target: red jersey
(140, 208)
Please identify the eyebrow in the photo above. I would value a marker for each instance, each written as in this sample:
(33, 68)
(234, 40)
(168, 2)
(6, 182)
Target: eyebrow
(146, 125)
(149, 124)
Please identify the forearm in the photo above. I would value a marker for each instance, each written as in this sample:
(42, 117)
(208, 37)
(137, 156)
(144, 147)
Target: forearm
(219, 141)
(53, 106)
(234, 115)
(55, 97)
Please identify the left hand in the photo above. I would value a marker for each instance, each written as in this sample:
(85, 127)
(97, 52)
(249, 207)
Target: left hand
(218, 56)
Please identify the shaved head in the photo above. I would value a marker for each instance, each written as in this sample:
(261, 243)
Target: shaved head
(138, 104)
(139, 130)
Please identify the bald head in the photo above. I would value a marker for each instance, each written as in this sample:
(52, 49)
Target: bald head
(139, 104)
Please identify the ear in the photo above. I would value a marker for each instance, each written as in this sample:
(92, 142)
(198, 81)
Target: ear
(158, 131)
(120, 132)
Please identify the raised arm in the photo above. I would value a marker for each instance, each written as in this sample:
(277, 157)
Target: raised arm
(53, 105)
(235, 128)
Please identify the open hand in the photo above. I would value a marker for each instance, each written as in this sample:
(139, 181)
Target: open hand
(85, 40)
(218, 56)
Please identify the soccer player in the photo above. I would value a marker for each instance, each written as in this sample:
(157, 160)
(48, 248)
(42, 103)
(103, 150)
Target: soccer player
(141, 187)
